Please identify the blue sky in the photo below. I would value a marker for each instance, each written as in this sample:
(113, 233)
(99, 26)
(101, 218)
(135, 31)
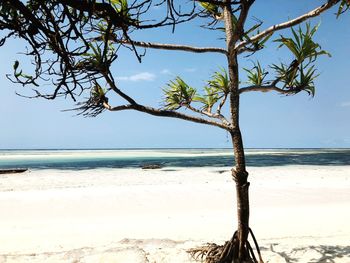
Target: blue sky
(268, 120)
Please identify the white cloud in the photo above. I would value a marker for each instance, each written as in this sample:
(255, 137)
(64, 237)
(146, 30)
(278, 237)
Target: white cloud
(143, 76)
(166, 71)
(190, 69)
(345, 104)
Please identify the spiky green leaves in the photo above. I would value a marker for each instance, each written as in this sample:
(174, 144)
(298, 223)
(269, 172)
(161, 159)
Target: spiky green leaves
(256, 75)
(95, 104)
(211, 9)
(300, 73)
(343, 7)
(301, 79)
(286, 74)
(178, 94)
(123, 9)
(98, 94)
(208, 99)
(120, 4)
(306, 80)
(220, 82)
(302, 45)
(254, 30)
(99, 59)
(92, 61)
(217, 89)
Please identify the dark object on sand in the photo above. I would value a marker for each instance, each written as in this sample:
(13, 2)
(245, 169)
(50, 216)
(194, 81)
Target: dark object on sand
(151, 166)
(13, 171)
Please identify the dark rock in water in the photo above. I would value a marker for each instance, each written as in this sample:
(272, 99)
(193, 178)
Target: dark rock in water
(13, 171)
(151, 166)
(170, 170)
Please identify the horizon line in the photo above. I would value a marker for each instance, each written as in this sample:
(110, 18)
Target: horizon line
(169, 148)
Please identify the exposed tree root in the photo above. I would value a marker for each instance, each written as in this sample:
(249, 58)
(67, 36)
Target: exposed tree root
(227, 253)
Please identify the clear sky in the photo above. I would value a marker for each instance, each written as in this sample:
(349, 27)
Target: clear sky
(268, 120)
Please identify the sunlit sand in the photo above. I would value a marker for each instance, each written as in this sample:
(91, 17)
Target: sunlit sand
(299, 213)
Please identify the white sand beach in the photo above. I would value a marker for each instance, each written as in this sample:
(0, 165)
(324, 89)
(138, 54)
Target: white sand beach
(298, 214)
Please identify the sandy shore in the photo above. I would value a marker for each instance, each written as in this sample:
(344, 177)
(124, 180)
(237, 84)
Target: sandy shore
(298, 213)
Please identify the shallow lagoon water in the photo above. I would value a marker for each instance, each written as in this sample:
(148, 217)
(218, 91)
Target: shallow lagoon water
(125, 158)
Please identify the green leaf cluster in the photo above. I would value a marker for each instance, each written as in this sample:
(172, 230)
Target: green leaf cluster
(210, 8)
(306, 80)
(343, 7)
(256, 75)
(105, 31)
(99, 59)
(302, 45)
(207, 100)
(254, 30)
(177, 94)
(285, 73)
(121, 6)
(259, 44)
(217, 88)
(300, 73)
(220, 82)
(98, 94)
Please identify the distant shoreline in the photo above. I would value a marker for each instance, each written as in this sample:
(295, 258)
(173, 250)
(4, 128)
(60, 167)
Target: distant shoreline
(169, 148)
(167, 157)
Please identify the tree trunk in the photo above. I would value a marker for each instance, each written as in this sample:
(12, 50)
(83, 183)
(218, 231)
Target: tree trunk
(239, 173)
(240, 177)
(238, 249)
(243, 218)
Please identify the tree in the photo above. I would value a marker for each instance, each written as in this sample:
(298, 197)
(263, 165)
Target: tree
(73, 44)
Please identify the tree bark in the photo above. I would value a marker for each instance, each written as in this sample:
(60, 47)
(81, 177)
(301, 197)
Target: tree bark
(239, 173)
(240, 177)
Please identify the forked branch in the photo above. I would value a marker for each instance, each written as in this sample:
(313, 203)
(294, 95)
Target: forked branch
(166, 113)
(313, 13)
(158, 112)
(217, 115)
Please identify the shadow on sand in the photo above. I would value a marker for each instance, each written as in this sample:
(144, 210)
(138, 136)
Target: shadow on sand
(321, 254)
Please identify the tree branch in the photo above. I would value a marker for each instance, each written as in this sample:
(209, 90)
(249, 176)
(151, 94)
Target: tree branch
(30, 16)
(102, 10)
(210, 115)
(153, 111)
(175, 47)
(245, 6)
(221, 104)
(166, 113)
(111, 83)
(313, 13)
(267, 89)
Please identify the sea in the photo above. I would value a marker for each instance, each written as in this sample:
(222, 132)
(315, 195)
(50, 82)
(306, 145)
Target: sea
(78, 159)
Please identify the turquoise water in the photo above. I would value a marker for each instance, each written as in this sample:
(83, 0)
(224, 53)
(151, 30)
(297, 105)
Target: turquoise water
(93, 159)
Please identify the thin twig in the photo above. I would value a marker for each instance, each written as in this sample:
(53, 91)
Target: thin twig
(313, 13)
